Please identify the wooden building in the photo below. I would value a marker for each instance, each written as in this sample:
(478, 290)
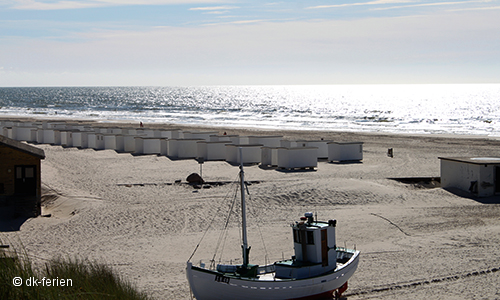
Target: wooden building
(20, 177)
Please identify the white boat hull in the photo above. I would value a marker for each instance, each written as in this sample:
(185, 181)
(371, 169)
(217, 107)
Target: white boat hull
(212, 285)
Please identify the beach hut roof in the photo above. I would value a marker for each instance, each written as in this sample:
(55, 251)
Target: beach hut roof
(475, 160)
(22, 147)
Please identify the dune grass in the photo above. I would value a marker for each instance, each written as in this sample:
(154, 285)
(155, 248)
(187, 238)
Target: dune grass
(72, 279)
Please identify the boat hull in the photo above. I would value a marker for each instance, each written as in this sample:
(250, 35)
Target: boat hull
(212, 285)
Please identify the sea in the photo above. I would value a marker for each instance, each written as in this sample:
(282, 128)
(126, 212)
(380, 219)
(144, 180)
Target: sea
(457, 109)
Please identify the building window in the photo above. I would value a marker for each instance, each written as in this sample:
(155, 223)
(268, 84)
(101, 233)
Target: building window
(296, 236)
(29, 172)
(19, 172)
(310, 237)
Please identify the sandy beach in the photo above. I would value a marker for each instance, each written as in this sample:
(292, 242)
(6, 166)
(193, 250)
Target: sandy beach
(417, 241)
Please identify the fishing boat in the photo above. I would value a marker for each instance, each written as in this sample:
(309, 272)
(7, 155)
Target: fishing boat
(318, 270)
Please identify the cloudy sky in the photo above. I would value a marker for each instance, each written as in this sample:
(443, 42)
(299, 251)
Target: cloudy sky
(206, 42)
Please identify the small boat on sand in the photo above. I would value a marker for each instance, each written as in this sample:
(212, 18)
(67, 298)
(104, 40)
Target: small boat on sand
(318, 270)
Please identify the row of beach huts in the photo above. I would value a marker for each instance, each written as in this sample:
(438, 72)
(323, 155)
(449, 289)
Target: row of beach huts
(273, 151)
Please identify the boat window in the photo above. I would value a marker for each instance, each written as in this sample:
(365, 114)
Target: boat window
(310, 237)
(296, 236)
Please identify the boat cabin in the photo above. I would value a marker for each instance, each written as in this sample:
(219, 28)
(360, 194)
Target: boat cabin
(315, 249)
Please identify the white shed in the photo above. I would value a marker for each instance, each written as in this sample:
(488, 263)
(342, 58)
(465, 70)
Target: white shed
(114, 141)
(27, 134)
(139, 144)
(96, 141)
(322, 146)
(478, 175)
(152, 145)
(251, 153)
(49, 136)
(170, 133)
(345, 151)
(290, 144)
(9, 132)
(266, 140)
(269, 156)
(129, 143)
(212, 150)
(183, 148)
(67, 137)
(234, 139)
(199, 135)
(297, 157)
(80, 139)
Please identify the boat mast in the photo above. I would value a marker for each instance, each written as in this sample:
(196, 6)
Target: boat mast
(244, 246)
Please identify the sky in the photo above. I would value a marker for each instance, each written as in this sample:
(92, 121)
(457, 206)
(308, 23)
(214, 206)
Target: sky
(210, 42)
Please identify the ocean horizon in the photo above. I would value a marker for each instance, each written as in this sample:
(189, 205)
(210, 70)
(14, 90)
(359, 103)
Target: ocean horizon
(463, 109)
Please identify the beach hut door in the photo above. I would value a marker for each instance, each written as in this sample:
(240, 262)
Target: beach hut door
(25, 182)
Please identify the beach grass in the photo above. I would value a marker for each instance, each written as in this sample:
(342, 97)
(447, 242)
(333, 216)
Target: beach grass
(61, 279)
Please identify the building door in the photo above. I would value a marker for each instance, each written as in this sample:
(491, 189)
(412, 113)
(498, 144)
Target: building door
(324, 248)
(497, 179)
(25, 183)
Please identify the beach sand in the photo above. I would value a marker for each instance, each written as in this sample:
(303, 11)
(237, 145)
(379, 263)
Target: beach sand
(416, 241)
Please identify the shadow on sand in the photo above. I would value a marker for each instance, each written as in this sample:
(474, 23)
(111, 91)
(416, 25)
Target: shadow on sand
(10, 222)
(464, 194)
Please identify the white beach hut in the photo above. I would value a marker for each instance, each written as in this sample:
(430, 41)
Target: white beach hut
(234, 139)
(322, 146)
(28, 134)
(267, 141)
(24, 124)
(139, 144)
(115, 130)
(57, 125)
(39, 136)
(269, 156)
(164, 147)
(113, 141)
(199, 135)
(80, 139)
(212, 150)
(251, 153)
(152, 145)
(148, 132)
(183, 148)
(171, 134)
(129, 142)
(100, 129)
(52, 136)
(96, 141)
(67, 137)
(478, 175)
(345, 151)
(297, 157)
(10, 132)
(289, 144)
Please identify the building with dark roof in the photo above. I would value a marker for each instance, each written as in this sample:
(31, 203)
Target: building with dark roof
(20, 177)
